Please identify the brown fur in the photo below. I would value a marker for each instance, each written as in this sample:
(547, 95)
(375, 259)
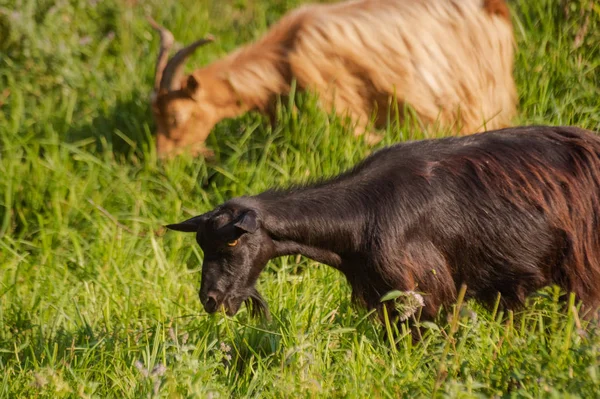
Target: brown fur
(451, 60)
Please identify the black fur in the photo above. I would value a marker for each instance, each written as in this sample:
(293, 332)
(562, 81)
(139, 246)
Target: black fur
(507, 211)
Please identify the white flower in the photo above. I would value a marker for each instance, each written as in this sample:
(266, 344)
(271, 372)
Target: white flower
(408, 303)
(225, 348)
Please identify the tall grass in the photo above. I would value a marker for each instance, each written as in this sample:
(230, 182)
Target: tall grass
(97, 300)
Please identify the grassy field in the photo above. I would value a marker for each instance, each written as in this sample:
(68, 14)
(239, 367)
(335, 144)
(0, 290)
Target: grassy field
(97, 300)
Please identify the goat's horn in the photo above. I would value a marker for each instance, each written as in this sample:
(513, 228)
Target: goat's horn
(174, 69)
(166, 42)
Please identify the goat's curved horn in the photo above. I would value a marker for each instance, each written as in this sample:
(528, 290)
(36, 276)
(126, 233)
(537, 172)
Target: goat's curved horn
(166, 42)
(174, 69)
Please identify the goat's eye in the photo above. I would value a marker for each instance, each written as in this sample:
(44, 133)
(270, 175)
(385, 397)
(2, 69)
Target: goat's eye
(232, 243)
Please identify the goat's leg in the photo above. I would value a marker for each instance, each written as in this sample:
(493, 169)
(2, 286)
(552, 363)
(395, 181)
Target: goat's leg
(370, 136)
(273, 109)
(353, 111)
(421, 269)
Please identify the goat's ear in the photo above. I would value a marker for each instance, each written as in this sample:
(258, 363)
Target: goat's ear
(189, 226)
(192, 85)
(248, 221)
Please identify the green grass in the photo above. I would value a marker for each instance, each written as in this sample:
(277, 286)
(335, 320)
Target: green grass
(97, 300)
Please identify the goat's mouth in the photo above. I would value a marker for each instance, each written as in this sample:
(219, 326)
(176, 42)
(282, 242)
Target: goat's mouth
(168, 148)
(231, 305)
(256, 304)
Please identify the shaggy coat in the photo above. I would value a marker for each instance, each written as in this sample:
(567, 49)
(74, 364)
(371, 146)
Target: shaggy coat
(450, 60)
(507, 211)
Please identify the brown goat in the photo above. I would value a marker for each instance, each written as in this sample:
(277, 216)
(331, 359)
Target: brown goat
(450, 60)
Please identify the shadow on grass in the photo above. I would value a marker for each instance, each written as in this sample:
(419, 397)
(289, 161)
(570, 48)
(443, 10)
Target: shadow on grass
(124, 129)
(127, 129)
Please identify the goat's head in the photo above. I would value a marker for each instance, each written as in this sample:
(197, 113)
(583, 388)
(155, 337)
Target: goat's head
(183, 116)
(236, 249)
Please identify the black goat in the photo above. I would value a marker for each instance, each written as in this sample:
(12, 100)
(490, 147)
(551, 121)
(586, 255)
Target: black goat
(507, 211)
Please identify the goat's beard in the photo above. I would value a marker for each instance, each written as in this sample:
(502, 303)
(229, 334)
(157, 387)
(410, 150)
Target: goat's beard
(256, 304)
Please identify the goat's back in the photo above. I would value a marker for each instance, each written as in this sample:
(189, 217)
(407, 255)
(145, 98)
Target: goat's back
(451, 60)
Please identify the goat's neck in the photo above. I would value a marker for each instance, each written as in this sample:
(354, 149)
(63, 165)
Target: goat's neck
(321, 255)
(321, 224)
(256, 73)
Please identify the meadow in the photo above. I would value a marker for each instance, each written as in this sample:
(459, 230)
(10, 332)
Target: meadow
(97, 300)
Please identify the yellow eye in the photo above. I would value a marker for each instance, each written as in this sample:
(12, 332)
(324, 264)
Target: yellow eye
(232, 243)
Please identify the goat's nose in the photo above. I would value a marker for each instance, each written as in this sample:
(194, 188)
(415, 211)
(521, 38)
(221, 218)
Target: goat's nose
(211, 303)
